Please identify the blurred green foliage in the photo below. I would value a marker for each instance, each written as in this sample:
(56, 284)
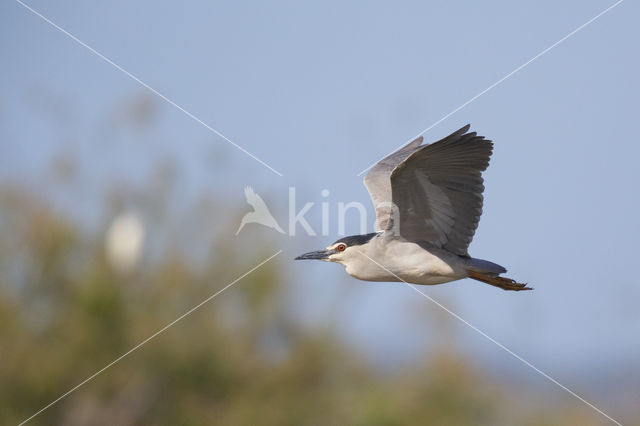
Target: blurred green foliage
(241, 359)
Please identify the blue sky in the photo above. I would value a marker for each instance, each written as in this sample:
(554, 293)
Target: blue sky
(319, 92)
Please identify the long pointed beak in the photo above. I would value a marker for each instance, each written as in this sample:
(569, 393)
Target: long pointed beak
(318, 255)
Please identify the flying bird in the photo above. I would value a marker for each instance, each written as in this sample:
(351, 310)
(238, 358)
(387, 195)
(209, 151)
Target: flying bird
(428, 202)
(260, 213)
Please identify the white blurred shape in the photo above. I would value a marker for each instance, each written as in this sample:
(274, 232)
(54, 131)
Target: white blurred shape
(124, 241)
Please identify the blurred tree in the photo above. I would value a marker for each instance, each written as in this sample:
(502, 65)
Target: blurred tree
(65, 312)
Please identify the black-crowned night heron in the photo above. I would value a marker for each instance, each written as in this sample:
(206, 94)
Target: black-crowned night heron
(428, 201)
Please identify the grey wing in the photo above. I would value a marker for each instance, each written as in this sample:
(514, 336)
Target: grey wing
(378, 182)
(438, 191)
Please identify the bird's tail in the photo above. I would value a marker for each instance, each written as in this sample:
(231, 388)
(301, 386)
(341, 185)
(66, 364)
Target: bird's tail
(488, 272)
(242, 223)
(485, 267)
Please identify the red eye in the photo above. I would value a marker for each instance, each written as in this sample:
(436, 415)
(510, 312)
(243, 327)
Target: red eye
(341, 247)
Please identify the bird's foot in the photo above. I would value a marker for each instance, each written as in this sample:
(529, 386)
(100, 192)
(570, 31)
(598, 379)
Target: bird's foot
(509, 284)
(502, 282)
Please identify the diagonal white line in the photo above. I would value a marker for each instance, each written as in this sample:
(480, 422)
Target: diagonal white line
(501, 80)
(500, 345)
(133, 77)
(149, 338)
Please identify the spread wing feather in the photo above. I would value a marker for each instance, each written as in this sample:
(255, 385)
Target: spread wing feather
(433, 193)
(379, 185)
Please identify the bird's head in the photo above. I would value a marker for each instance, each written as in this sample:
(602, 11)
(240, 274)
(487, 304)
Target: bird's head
(341, 250)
